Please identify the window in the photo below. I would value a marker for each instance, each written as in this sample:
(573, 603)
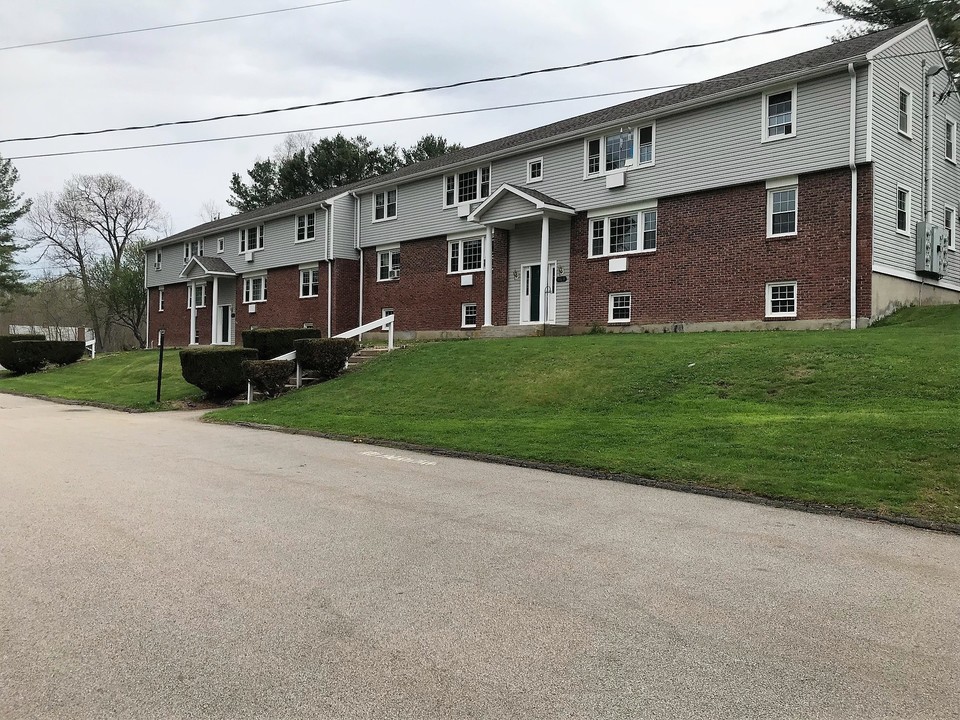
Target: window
(615, 151)
(782, 299)
(782, 211)
(950, 148)
(255, 289)
(950, 226)
(467, 186)
(906, 112)
(619, 308)
(219, 245)
(197, 296)
(468, 315)
(779, 111)
(191, 249)
(309, 283)
(386, 312)
(389, 265)
(903, 210)
(306, 227)
(534, 170)
(251, 238)
(160, 299)
(465, 255)
(158, 260)
(384, 205)
(636, 232)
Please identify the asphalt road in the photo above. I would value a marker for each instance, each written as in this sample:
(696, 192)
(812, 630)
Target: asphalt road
(157, 567)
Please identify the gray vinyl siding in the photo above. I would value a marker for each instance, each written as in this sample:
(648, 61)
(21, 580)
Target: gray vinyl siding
(863, 97)
(711, 147)
(898, 160)
(525, 250)
(344, 228)
(509, 206)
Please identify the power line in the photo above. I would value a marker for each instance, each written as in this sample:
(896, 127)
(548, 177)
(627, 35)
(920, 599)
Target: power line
(346, 125)
(172, 25)
(433, 88)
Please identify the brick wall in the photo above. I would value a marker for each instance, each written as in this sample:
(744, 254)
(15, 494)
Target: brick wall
(284, 306)
(425, 297)
(713, 257)
(346, 295)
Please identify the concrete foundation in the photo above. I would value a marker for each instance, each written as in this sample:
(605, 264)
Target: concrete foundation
(891, 293)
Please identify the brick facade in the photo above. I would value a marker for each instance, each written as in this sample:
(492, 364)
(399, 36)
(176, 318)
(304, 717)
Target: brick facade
(284, 306)
(425, 296)
(713, 257)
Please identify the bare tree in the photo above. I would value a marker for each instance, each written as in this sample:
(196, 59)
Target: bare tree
(209, 211)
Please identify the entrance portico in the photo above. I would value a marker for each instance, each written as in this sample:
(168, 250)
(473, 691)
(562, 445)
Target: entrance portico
(221, 302)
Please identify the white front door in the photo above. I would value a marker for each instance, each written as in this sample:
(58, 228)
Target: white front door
(531, 303)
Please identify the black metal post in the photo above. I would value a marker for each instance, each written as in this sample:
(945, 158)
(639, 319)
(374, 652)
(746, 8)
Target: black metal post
(160, 367)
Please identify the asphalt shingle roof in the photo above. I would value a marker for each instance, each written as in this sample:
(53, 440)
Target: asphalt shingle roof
(835, 53)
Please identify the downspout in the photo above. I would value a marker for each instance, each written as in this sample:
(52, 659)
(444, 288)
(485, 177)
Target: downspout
(328, 209)
(853, 195)
(356, 244)
(147, 288)
(928, 150)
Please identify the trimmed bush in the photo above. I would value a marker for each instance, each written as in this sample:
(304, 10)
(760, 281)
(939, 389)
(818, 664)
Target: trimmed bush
(269, 376)
(274, 342)
(218, 371)
(325, 357)
(7, 357)
(27, 356)
(64, 352)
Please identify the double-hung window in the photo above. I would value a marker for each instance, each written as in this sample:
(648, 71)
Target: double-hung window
(468, 315)
(619, 234)
(220, 245)
(160, 299)
(251, 238)
(191, 249)
(465, 255)
(905, 117)
(950, 226)
(388, 263)
(384, 205)
(310, 283)
(779, 114)
(619, 308)
(619, 150)
(782, 299)
(197, 296)
(781, 211)
(306, 227)
(950, 144)
(466, 186)
(255, 289)
(158, 260)
(903, 210)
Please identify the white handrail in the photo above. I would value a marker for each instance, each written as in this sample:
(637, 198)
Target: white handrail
(91, 345)
(380, 323)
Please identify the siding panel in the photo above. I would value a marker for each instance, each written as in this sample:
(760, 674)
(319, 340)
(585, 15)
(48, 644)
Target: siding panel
(525, 250)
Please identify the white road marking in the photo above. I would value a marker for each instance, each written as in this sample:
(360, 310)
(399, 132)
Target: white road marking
(397, 458)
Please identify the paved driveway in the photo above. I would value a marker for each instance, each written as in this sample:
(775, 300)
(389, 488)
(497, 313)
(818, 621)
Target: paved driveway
(157, 567)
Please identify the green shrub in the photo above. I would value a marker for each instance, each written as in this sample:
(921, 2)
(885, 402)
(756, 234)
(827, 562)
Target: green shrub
(63, 352)
(6, 350)
(218, 371)
(274, 342)
(27, 356)
(269, 376)
(325, 357)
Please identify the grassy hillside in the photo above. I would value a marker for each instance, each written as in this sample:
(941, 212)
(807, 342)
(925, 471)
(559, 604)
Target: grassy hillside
(867, 419)
(122, 379)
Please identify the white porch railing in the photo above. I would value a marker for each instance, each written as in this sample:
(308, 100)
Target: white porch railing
(91, 345)
(386, 322)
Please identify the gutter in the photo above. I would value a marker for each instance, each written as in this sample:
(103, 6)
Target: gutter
(328, 229)
(853, 195)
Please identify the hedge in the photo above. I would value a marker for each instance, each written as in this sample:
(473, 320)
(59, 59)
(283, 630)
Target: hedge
(274, 342)
(7, 357)
(269, 376)
(63, 352)
(218, 371)
(325, 357)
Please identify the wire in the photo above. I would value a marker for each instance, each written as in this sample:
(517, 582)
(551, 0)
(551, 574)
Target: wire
(396, 93)
(173, 25)
(345, 125)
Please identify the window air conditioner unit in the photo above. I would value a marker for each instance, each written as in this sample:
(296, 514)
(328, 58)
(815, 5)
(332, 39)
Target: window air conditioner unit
(394, 274)
(249, 256)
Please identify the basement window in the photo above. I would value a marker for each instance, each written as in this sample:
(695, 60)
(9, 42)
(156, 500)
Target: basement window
(782, 300)
(619, 308)
(468, 315)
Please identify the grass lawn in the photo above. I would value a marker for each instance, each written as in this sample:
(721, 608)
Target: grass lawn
(867, 419)
(127, 379)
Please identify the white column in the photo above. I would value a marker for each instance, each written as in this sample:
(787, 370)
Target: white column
(214, 332)
(192, 289)
(488, 278)
(544, 261)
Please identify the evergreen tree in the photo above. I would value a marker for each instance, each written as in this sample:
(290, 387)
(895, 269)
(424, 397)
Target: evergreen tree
(12, 208)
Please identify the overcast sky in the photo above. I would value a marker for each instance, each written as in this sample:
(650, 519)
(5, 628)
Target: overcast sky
(339, 51)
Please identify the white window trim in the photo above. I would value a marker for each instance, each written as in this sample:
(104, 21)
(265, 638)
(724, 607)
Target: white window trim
(768, 294)
(242, 239)
(220, 244)
(396, 205)
(309, 282)
(463, 315)
(384, 312)
(950, 158)
(188, 252)
(619, 321)
(191, 293)
(634, 165)
(765, 136)
(385, 251)
(796, 210)
(296, 227)
(158, 260)
(530, 163)
(606, 233)
(160, 299)
(952, 244)
(460, 242)
(248, 278)
(896, 210)
(909, 131)
(456, 186)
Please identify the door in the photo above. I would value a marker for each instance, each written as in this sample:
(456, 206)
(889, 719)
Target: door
(226, 311)
(531, 304)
